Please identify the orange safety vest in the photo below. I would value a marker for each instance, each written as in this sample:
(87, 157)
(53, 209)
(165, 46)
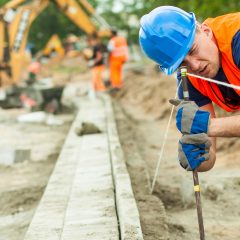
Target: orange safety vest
(224, 28)
(120, 49)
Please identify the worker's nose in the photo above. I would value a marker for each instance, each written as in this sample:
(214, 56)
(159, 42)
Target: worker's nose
(194, 65)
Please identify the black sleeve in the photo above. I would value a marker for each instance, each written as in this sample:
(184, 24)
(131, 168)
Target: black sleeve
(236, 49)
(96, 49)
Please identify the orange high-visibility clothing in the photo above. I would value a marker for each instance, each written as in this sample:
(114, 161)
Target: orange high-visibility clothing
(120, 49)
(116, 78)
(118, 56)
(224, 28)
(97, 81)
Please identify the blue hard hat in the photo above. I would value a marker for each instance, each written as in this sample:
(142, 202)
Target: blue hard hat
(166, 35)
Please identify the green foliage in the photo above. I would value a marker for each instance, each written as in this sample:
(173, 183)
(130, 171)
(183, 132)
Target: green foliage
(2, 2)
(119, 13)
(202, 9)
(49, 22)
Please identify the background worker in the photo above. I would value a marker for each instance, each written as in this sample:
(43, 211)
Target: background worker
(118, 55)
(34, 69)
(96, 62)
(172, 37)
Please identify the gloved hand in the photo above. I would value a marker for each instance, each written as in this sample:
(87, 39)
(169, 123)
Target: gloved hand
(91, 63)
(193, 149)
(189, 118)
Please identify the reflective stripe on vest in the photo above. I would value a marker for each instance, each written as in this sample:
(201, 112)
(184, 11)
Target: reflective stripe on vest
(120, 48)
(224, 28)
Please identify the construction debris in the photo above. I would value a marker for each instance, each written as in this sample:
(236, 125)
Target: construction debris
(87, 128)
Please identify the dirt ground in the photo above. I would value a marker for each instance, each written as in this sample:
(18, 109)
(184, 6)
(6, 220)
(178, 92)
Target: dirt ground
(142, 111)
(22, 184)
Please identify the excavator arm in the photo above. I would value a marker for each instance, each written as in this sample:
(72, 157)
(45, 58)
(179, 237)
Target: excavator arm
(18, 36)
(75, 13)
(16, 18)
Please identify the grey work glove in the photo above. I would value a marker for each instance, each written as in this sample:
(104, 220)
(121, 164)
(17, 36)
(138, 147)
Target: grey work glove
(91, 63)
(189, 118)
(193, 149)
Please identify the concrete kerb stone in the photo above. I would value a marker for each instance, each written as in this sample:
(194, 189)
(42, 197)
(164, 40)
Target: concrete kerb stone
(48, 219)
(128, 214)
(91, 213)
(66, 210)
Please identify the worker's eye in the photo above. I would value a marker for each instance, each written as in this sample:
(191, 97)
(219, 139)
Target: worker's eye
(193, 50)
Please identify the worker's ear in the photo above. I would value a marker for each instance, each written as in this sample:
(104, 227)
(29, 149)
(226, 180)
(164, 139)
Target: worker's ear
(207, 30)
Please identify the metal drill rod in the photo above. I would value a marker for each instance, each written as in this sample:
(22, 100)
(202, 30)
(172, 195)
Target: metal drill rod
(195, 173)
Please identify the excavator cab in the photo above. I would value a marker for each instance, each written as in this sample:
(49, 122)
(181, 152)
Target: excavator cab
(53, 48)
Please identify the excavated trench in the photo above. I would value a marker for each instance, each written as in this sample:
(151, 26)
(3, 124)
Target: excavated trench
(153, 225)
(142, 111)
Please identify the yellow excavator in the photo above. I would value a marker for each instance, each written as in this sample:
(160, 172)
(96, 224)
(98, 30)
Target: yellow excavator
(16, 18)
(56, 50)
(53, 46)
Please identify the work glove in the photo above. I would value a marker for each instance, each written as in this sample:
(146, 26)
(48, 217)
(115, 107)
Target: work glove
(189, 118)
(193, 149)
(90, 63)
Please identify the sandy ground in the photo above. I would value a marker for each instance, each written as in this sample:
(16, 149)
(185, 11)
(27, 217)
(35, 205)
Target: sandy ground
(142, 111)
(22, 184)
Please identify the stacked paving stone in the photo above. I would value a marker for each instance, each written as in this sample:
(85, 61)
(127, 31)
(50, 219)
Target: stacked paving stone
(89, 195)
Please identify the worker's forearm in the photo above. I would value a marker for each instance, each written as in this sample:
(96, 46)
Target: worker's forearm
(225, 127)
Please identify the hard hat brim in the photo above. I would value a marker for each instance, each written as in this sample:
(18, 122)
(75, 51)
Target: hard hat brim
(183, 53)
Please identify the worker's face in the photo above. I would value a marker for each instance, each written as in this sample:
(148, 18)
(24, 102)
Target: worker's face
(203, 58)
(94, 42)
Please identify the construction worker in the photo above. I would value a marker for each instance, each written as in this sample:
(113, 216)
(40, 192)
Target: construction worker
(97, 62)
(34, 69)
(118, 55)
(172, 37)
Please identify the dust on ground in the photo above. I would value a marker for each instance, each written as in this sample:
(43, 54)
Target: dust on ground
(22, 184)
(142, 111)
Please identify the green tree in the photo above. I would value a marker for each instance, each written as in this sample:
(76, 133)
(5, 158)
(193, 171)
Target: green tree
(51, 21)
(202, 8)
(120, 14)
(2, 2)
